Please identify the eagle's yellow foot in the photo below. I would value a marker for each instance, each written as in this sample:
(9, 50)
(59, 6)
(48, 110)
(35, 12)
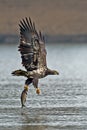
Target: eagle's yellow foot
(26, 87)
(38, 91)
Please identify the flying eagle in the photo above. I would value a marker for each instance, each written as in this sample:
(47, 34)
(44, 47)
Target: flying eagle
(33, 54)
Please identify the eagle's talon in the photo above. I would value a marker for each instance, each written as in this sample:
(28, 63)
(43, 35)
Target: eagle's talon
(26, 87)
(38, 91)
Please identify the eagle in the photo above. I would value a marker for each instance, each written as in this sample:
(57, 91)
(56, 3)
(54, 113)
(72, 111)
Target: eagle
(33, 54)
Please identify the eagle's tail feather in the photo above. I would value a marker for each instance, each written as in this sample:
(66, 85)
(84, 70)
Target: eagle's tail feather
(20, 73)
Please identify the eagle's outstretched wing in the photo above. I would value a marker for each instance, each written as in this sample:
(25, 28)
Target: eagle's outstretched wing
(32, 47)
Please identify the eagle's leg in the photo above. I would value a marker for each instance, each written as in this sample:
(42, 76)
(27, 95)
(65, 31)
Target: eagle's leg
(27, 83)
(35, 83)
(24, 92)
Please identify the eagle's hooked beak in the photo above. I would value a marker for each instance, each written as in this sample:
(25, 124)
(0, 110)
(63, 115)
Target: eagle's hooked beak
(56, 73)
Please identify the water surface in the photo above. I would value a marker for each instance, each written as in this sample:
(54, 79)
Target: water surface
(62, 103)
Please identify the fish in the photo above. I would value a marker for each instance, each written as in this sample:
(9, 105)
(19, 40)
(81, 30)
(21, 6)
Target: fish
(23, 97)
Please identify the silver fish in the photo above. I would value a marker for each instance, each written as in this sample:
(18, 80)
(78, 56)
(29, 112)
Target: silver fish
(23, 97)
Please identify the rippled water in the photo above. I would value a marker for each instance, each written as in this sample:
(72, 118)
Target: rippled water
(63, 100)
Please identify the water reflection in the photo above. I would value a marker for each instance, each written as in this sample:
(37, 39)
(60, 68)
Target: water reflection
(31, 119)
(33, 128)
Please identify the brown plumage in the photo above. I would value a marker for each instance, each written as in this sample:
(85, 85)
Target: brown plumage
(33, 53)
(32, 47)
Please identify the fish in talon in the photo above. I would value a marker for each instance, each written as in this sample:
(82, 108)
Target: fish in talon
(23, 97)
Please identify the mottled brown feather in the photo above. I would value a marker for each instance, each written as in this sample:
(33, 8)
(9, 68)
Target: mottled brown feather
(32, 46)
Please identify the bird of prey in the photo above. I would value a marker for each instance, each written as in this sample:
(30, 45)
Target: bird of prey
(33, 54)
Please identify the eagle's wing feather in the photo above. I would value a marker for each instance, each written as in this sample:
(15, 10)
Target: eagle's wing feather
(43, 52)
(32, 46)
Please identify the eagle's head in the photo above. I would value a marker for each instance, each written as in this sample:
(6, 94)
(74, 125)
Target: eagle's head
(52, 72)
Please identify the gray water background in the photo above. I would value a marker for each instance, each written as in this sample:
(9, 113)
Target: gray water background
(62, 103)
